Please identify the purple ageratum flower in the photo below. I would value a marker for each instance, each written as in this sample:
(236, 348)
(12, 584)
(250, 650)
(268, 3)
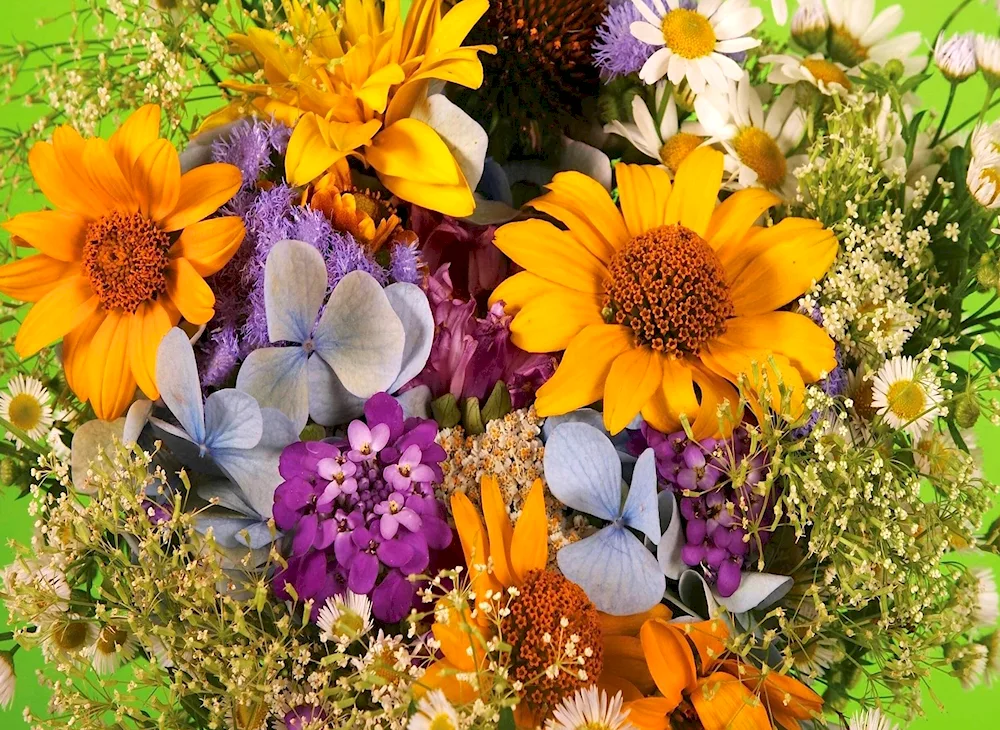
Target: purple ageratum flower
(252, 146)
(366, 506)
(471, 354)
(616, 51)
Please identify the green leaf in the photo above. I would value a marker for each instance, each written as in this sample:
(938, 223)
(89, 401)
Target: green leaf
(472, 419)
(498, 404)
(446, 412)
(506, 719)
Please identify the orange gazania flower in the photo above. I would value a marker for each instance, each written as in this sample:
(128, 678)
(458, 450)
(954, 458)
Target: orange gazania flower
(692, 676)
(122, 257)
(661, 304)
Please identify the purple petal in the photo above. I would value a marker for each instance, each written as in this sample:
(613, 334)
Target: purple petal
(363, 573)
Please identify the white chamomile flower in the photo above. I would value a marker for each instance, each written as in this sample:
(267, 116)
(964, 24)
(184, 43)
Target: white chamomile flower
(757, 146)
(987, 611)
(692, 43)
(809, 24)
(871, 720)
(858, 35)
(988, 58)
(906, 398)
(666, 141)
(26, 404)
(345, 618)
(66, 635)
(434, 712)
(956, 56)
(115, 645)
(983, 177)
(827, 76)
(8, 680)
(590, 709)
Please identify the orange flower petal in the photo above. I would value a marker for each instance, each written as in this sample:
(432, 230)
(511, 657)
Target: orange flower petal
(472, 535)
(31, 278)
(584, 206)
(189, 292)
(793, 335)
(61, 185)
(518, 290)
(111, 383)
(579, 380)
(715, 391)
(730, 361)
(634, 377)
(147, 327)
(101, 169)
(156, 176)
(499, 529)
(670, 660)
(643, 192)
(733, 219)
(529, 545)
(650, 713)
(548, 323)
(709, 638)
(674, 398)
(624, 659)
(455, 641)
(55, 314)
(209, 245)
(441, 675)
(56, 233)
(724, 703)
(204, 190)
(75, 349)
(696, 190)
(137, 133)
(630, 625)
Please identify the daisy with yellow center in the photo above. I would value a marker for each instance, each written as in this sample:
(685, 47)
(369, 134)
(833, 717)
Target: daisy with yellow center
(906, 396)
(828, 76)
(759, 148)
(666, 140)
(353, 83)
(692, 43)
(660, 306)
(26, 405)
(122, 258)
(434, 712)
(114, 646)
(590, 709)
(856, 34)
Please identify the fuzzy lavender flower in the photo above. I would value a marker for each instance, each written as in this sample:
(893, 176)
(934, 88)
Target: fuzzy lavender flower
(405, 264)
(252, 146)
(366, 507)
(616, 51)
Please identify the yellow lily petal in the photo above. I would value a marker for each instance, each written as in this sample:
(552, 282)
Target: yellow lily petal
(643, 193)
(454, 200)
(579, 380)
(634, 377)
(696, 190)
(558, 256)
(529, 546)
(412, 150)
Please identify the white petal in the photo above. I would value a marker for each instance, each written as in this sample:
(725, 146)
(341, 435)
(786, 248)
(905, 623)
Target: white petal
(655, 66)
(410, 304)
(647, 33)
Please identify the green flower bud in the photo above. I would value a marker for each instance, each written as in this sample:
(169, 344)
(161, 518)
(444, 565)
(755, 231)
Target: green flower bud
(967, 411)
(809, 25)
(987, 272)
(894, 69)
(313, 432)
(8, 472)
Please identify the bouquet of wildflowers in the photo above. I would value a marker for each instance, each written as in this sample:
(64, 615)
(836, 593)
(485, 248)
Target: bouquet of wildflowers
(577, 365)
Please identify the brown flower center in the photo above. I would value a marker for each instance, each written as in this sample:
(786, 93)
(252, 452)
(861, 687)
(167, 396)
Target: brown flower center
(555, 634)
(70, 636)
(125, 258)
(670, 288)
(111, 639)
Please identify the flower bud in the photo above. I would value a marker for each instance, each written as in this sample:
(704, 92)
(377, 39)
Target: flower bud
(684, 97)
(956, 57)
(894, 69)
(987, 272)
(810, 24)
(967, 411)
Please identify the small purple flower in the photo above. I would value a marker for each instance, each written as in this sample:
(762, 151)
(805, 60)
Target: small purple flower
(304, 717)
(366, 442)
(408, 469)
(339, 471)
(616, 51)
(393, 513)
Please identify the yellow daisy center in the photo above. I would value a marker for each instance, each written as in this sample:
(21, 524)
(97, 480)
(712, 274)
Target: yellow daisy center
(688, 33)
(678, 147)
(758, 151)
(71, 636)
(25, 412)
(441, 721)
(845, 48)
(125, 258)
(907, 400)
(669, 287)
(826, 72)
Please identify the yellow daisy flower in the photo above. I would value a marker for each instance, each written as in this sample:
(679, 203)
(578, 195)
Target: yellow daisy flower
(122, 258)
(660, 306)
(353, 83)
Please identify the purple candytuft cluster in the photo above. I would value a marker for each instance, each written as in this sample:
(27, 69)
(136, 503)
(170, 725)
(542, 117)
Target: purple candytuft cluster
(304, 717)
(472, 354)
(271, 213)
(703, 475)
(361, 512)
(616, 51)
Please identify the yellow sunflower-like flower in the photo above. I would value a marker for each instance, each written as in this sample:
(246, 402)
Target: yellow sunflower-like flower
(350, 81)
(122, 257)
(660, 306)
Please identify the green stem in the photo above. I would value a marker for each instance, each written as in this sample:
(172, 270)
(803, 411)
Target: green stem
(29, 442)
(986, 103)
(945, 113)
(970, 120)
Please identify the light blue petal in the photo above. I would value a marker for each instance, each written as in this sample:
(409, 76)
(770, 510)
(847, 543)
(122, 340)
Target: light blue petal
(494, 184)
(756, 591)
(416, 402)
(225, 528)
(330, 403)
(583, 470)
(641, 511)
(295, 282)
(91, 440)
(232, 420)
(276, 378)
(228, 495)
(180, 387)
(697, 596)
(257, 536)
(581, 415)
(360, 337)
(255, 470)
(135, 420)
(410, 304)
(618, 573)
(668, 551)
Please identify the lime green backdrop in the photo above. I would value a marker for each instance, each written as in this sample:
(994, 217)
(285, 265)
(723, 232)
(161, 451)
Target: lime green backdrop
(979, 708)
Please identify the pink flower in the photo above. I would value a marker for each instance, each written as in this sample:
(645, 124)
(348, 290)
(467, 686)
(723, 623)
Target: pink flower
(365, 442)
(408, 469)
(477, 265)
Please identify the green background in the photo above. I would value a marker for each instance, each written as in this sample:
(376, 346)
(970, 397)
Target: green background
(979, 708)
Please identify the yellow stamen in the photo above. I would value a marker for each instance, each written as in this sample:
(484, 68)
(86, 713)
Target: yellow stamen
(688, 33)
(678, 147)
(442, 722)
(907, 400)
(25, 412)
(758, 151)
(827, 72)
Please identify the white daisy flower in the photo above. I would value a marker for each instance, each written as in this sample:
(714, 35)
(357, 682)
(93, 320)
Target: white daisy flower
(115, 645)
(809, 24)
(871, 720)
(956, 57)
(434, 712)
(666, 141)
(50, 592)
(590, 709)
(26, 405)
(66, 635)
(857, 35)
(345, 618)
(906, 398)
(757, 146)
(983, 177)
(692, 43)
(987, 611)
(988, 58)
(827, 76)
(8, 680)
